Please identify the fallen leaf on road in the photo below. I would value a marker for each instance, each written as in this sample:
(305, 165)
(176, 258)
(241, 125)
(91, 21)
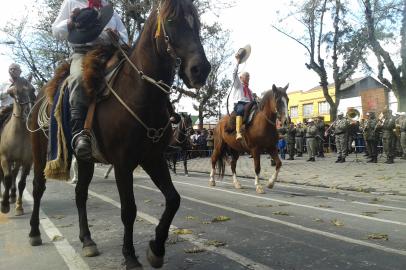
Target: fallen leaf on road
(215, 243)
(376, 200)
(57, 216)
(384, 209)
(191, 218)
(318, 220)
(220, 219)
(324, 206)
(358, 175)
(264, 205)
(378, 236)
(147, 201)
(337, 222)
(65, 226)
(206, 222)
(182, 231)
(369, 213)
(280, 213)
(283, 204)
(57, 238)
(194, 250)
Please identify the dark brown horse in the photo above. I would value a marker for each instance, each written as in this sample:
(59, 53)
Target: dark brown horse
(260, 136)
(180, 142)
(139, 133)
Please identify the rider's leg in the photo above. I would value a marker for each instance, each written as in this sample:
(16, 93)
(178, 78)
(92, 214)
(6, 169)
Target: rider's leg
(239, 110)
(78, 109)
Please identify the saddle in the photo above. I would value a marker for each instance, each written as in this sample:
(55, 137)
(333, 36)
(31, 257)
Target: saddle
(250, 110)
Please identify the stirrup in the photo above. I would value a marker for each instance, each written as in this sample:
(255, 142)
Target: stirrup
(81, 145)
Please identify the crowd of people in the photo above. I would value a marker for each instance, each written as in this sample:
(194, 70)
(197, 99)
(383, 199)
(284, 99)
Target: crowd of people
(385, 134)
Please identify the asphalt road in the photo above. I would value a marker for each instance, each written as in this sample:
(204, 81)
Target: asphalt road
(289, 227)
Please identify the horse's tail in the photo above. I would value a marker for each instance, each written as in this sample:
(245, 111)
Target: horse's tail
(220, 151)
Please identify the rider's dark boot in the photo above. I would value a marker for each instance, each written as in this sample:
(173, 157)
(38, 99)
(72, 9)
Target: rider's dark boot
(81, 141)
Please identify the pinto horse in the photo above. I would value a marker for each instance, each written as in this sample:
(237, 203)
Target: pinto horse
(132, 128)
(261, 135)
(180, 142)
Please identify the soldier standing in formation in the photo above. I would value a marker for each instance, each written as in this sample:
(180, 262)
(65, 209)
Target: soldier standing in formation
(388, 136)
(311, 133)
(320, 136)
(291, 134)
(402, 124)
(340, 132)
(300, 132)
(370, 137)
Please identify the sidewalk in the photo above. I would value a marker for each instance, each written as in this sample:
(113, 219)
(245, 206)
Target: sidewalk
(351, 175)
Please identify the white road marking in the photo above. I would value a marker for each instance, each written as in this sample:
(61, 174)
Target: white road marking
(295, 204)
(289, 224)
(72, 259)
(197, 241)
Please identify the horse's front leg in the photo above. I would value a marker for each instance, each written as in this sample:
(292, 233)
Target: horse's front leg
(85, 175)
(21, 186)
(234, 159)
(124, 181)
(159, 174)
(8, 178)
(184, 154)
(257, 163)
(14, 172)
(274, 154)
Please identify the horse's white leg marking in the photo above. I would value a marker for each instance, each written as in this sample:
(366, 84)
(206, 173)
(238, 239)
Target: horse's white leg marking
(237, 183)
(212, 183)
(258, 187)
(273, 178)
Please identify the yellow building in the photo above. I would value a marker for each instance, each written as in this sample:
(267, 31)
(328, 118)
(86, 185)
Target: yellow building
(309, 104)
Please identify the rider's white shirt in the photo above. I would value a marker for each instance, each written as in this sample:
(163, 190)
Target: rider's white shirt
(60, 26)
(238, 89)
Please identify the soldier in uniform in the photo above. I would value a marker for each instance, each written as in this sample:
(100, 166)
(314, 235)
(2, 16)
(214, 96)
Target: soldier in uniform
(340, 132)
(320, 136)
(311, 133)
(300, 132)
(371, 138)
(402, 125)
(291, 134)
(388, 136)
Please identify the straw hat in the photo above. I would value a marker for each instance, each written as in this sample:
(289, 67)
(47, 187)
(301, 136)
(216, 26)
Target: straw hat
(244, 53)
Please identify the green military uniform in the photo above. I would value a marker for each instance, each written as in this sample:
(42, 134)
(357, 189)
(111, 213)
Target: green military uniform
(300, 132)
(371, 138)
(340, 133)
(291, 134)
(402, 124)
(387, 138)
(320, 137)
(311, 133)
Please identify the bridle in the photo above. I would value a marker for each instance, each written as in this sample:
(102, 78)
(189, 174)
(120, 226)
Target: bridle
(153, 133)
(182, 129)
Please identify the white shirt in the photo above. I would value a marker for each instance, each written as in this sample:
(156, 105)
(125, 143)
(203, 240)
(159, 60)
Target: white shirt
(5, 99)
(60, 26)
(238, 94)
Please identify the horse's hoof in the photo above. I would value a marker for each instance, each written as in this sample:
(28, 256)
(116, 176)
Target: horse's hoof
(212, 183)
(260, 189)
(187, 175)
(19, 212)
(132, 263)
(35, 240)
(5, 208)
(270, 185)
(154, 260)
(237, 185)
(90, 251)
(13, 199)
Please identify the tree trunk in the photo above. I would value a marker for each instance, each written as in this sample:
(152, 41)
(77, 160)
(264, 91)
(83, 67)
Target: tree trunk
(200, 118)
(401, 97)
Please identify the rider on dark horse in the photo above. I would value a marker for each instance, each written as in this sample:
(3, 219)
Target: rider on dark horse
(85, 24)
(242, 93)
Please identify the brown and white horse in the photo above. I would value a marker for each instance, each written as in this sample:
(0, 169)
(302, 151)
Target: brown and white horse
(261, 136)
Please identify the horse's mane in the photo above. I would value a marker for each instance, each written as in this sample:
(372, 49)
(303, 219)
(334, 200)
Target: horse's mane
(265, 99)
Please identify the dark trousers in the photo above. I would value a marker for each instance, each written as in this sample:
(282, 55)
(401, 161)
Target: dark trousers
(372, 148)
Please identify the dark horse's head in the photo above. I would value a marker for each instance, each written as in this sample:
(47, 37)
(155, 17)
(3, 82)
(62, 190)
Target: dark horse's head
(276, 100)
(178, 26)
(185, 122)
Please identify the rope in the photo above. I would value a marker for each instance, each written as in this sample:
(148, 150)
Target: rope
(42, 119)
(154, 134)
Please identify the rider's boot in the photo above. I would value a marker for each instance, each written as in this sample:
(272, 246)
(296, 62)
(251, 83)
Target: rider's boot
(238, 123)
(81, 141)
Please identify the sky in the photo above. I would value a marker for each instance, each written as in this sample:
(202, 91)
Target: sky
(275, 59)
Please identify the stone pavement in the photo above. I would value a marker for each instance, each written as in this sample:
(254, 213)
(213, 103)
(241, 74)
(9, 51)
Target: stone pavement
(351, 175)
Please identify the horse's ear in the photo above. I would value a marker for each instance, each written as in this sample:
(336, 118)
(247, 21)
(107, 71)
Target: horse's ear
(29, 77)
(285, 88)
(274, 88)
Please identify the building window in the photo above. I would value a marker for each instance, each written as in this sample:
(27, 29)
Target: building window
(308, 110)
(294, 112)
(324, 108)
